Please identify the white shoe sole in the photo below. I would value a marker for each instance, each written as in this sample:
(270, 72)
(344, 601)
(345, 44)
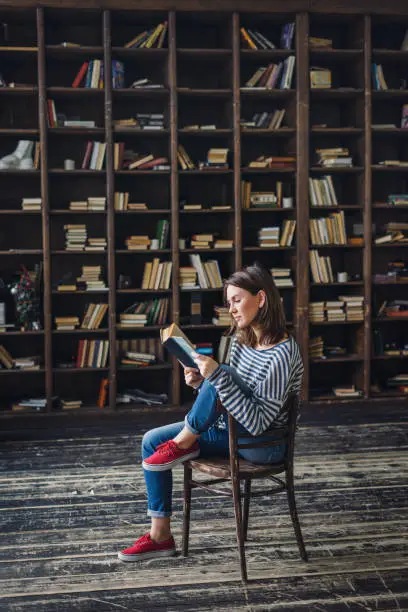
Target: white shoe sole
(147, 555)
(163, 467)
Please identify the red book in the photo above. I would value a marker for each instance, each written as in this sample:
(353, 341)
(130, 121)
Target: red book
(153, 162)
(87, 156)
(80, 74)
(80, 352)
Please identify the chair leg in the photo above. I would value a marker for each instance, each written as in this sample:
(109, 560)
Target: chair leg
(187, 507)
(294, 514)
(239, 528)
(247, 499)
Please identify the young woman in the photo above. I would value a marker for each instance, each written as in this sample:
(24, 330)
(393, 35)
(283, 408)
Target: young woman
(265, 366)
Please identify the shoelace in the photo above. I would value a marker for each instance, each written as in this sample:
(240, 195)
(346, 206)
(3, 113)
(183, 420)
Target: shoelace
(169, 447)
(143, 540)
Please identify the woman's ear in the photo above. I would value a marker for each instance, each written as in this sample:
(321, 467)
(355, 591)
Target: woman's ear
(262, 298)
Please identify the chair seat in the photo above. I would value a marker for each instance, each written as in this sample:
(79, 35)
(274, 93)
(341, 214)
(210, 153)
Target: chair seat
(219, 467)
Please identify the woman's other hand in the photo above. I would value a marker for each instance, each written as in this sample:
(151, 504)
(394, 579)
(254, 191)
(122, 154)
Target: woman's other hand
(205, 364)
(192, 377)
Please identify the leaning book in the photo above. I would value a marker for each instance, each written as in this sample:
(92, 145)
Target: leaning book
(178, 345)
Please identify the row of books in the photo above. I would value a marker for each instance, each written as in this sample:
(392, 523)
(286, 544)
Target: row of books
(270, 237)
(92, 203)
(121, 202)
(149, 345)
(157, 274)
(273, 161)
(90, 280)
(208, 272)
(273, 76)
(152, 38)
(265, 120)
(345, 308)
(254, 39)
(92, 354)
(91, 76)
(155, 312)
(94, 155)
(92, 318)
(322, 191)
(264, 199)
(328, 230)
(208, 241)
(18, 363)
(320, 266)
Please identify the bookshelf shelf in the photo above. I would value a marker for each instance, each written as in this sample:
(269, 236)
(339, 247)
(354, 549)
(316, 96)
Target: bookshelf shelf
(20, 372)
(197, 78)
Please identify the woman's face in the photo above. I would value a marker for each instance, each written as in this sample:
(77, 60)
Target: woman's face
(243, 306)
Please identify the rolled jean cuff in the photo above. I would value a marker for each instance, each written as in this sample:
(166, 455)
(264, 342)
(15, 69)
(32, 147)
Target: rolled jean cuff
(190, 429)
(158, 513)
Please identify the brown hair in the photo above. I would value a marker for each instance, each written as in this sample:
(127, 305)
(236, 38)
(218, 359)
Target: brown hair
(271, 317)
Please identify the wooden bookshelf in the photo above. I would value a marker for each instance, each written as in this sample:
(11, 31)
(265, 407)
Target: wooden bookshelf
(202, 67)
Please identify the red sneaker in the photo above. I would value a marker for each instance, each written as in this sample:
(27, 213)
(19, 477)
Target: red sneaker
(168, 455)
(146, 548)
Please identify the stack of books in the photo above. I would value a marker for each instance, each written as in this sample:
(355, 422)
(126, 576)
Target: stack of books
(334, 311)
(96, 245)
(320, 43)
(31, 204)
(346, 391)
(71, 404)
(275, 161)
(66, 323)
(90, 279)
(136, 360)
(27, 363)
(316, 348)
(222, 316)
(188, 277)
(94, 203)
(320, 78)
(75, 237)
(336, 157)
(268, 237)
(281, 277)
(137, 243)
(131, 319)
(201, 241)
(316, 312)
(354, 307)
(216, 158)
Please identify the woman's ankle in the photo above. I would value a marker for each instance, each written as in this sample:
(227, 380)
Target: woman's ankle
(185, 439)
(160, 536)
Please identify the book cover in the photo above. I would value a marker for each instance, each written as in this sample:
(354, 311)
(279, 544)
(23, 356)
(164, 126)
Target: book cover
(178, 345)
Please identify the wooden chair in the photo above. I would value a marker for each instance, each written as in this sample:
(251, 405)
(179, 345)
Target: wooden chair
(234, 470)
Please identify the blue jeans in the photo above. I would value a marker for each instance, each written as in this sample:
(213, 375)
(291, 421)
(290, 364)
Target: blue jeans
(213, 442)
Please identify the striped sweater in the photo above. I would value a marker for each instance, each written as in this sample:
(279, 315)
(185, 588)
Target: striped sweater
(270, 375)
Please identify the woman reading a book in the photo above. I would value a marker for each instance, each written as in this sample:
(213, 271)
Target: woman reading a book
(265, 366)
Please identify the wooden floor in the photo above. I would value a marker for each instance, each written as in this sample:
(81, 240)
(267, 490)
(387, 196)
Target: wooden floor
(68, 504)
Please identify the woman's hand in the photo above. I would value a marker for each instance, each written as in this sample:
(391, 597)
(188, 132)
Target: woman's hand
(206, 365)
(192, 377)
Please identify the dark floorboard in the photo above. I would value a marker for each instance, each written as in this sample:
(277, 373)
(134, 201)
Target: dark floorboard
(71, 497)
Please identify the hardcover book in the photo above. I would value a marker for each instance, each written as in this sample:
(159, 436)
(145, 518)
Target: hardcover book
(178, 345)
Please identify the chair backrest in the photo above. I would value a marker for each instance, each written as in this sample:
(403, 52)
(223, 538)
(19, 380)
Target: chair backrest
(285, 435)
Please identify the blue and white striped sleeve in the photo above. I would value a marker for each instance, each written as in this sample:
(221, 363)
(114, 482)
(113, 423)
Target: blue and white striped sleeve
(257, 411)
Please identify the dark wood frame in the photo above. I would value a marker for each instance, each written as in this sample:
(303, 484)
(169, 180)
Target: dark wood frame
(303, 9)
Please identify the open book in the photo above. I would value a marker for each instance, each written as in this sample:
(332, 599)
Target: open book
(178, 345)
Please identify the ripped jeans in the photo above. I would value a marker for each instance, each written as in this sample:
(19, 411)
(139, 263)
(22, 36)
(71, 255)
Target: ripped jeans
(202, 419)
